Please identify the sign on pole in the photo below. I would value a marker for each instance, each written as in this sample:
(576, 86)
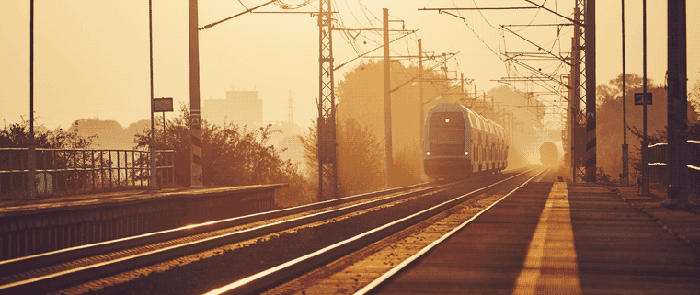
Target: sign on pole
(638, 99)
(163, 104)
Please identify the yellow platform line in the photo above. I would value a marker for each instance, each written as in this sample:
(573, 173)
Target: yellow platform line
(551, 265)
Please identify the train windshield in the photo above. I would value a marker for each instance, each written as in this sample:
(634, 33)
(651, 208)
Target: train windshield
(447, 133)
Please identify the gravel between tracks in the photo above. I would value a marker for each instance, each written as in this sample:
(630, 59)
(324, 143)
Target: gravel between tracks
(198, 273)
(352, 272)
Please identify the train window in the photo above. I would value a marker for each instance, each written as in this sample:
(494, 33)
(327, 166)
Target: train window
(447, 133)
(447, 127)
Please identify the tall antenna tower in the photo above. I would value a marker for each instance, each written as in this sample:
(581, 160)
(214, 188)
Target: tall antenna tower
(290, 111)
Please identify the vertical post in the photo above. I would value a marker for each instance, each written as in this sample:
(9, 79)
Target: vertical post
(326, 127)
(420, 98)
(165, 140)
(625, 152)
(31, 147)
(590, 93)
(678, 173)
(195, 111)
(290, 111)
(463, 97)
(575, 101)
(645, 141)
(153, 130)
(387, 103)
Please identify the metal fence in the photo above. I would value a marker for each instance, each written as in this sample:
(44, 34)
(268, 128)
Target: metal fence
(658, 168)
(61, 172)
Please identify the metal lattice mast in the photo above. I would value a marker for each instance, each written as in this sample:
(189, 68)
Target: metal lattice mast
(576, 95)
(326, 127)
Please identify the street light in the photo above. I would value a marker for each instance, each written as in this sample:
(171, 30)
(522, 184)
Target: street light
(625, 153)
(31, 146)
(153, 131)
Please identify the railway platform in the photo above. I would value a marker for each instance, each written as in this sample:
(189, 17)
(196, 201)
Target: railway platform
(37, 226)
(564, 238)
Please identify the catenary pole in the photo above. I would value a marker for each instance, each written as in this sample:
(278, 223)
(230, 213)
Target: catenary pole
(195, 111)
(677, 98)
(420, 97)
(326, 125)
(387, 102)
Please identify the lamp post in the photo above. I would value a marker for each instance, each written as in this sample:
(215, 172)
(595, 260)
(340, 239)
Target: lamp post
(153, 131)
(645, 140)
(31, 145)
(625, 153)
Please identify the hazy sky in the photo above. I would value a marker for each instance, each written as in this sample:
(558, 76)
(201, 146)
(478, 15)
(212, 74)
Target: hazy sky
(92, 56)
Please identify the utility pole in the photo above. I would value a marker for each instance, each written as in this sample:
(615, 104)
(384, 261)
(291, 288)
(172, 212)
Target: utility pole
(677, 105)
(31, 146)
(195, 111)
(590, 93)
(420, 98)
(326, 127)
(625, 153)
(387, 103)
(645, 140)
(576, 127)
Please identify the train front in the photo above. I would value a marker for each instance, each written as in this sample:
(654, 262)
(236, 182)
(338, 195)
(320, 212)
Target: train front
(446, 147)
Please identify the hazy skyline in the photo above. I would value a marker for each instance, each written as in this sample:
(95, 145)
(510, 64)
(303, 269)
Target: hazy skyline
(92, 57)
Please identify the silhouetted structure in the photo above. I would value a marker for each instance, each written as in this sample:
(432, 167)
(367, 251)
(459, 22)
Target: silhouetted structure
(239, 107)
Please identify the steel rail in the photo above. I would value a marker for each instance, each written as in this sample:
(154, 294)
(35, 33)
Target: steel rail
(24, 263)
(70, 277)
(278, 274)
(378, 281)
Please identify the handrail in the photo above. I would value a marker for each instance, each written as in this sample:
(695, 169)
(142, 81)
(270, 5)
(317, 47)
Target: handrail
(658, 166)
(70, 171)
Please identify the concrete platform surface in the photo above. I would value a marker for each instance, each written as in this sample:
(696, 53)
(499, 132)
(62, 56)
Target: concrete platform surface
(564, 238)
(13, 207)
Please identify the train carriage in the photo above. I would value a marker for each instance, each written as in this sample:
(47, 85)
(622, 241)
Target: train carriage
(459, 142)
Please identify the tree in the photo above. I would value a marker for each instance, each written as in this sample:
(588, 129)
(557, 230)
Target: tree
(17, 136)
(609, 122)
(360, 157)
(361, 98)
(232, 156)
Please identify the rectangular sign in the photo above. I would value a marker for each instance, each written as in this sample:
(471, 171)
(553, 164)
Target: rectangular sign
(638, 99)
(163, 104)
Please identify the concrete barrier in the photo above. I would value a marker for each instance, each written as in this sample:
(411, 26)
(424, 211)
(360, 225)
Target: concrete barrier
(43, 227)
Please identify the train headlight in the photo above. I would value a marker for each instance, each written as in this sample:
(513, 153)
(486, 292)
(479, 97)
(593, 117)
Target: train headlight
(427, 153)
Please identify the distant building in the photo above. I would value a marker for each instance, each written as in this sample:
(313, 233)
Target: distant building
(240, 107)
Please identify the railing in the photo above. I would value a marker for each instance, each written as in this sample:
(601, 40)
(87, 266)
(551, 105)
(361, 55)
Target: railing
(658, 168)
(61, 172)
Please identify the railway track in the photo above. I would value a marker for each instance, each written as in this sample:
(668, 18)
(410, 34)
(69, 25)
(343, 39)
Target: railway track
(115, 264)
(344, 268)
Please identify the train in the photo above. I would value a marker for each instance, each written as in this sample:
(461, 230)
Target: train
(549, 156)
(458, 143)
